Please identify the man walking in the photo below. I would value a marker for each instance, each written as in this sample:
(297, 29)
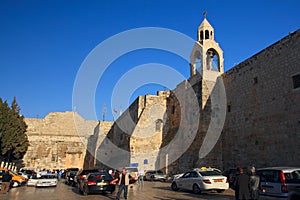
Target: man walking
(123, 182)
(6, 179)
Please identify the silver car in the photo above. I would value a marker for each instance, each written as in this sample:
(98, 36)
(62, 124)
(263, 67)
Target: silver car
(201, 180)
(279, 181)
(155, 175)
(47, 180)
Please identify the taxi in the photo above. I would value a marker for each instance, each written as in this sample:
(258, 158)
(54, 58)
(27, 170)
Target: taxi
(16, 178)
(201, 179)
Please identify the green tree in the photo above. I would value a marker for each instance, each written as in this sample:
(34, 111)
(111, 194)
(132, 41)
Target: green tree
(13, 139)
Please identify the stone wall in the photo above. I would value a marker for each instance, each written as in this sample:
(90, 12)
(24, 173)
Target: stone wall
(58, 141)
(263, 110)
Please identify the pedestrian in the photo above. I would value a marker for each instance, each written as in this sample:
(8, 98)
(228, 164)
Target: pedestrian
(123, 182)
(59, 174)
(241, 185)
(6, 180)
(141, 176)
(253, 184)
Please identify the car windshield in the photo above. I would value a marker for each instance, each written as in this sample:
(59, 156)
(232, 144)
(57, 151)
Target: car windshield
(49, 176)
(209, 173)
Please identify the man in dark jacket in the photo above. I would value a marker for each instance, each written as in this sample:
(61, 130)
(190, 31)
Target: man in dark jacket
(6, 179)
(242, 186)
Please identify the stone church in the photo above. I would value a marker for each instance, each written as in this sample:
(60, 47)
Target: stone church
(249, 115)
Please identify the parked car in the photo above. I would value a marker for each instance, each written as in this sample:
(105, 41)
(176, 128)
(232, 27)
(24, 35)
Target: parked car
(155, 175)
(175, 176)
(67, 170)
(97, 182)
(47, 180)
(17, 180)
(201, 180)
(279, 181)
(81, 174)
(32, 181)
(70, 176)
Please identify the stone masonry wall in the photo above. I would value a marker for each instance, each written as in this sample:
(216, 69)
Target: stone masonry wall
(58, 141)
(262, 125)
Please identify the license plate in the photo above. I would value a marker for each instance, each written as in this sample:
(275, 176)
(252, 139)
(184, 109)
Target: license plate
(218, 180)
(101, 184)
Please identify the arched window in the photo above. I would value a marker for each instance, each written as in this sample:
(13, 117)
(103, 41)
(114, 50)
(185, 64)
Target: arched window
(206, 34)
(201, 35)
(212, 61)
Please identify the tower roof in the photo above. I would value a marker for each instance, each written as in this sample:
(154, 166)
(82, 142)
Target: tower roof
(205, 25)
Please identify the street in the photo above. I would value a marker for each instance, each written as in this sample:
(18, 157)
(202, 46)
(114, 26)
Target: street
(150, 190)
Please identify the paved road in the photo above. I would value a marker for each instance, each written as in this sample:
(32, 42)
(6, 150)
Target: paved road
(150, 190)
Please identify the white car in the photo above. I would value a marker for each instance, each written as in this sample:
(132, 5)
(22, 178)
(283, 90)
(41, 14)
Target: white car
(32, 181)
(201, 180)
(48, 180)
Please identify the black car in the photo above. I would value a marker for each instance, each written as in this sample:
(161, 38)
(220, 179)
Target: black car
(231, 176)
(81, 174)
(70, 176)
(97, 182)
(68, 170)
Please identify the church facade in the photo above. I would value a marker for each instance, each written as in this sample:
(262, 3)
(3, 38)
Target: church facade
(249, 115)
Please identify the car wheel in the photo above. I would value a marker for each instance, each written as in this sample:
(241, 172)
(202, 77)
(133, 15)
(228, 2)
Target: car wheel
(174, 186)
(220, 191)
(196, 189)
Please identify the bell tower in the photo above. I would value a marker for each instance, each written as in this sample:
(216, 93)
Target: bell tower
(206, 58)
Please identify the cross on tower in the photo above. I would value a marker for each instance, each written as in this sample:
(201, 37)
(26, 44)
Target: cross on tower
(204, 14)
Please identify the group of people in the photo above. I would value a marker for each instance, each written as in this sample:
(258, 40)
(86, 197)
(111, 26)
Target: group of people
(246, 185)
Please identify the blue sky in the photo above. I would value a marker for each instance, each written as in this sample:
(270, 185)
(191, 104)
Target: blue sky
(44, 43)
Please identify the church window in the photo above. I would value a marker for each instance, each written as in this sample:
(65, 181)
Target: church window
(206, 34)
(296, 81)
(201, 35)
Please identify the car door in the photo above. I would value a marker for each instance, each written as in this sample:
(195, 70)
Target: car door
(194, 178)
(182, 182)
